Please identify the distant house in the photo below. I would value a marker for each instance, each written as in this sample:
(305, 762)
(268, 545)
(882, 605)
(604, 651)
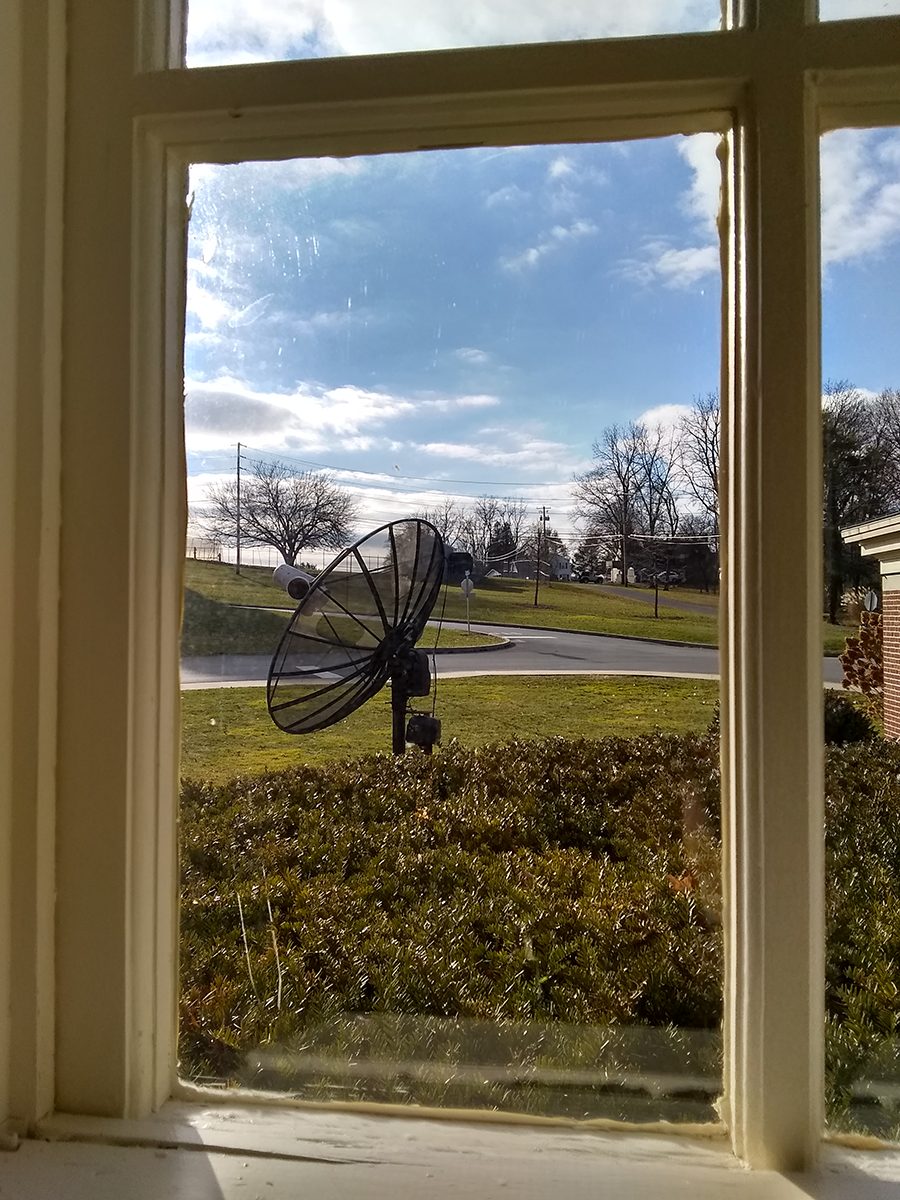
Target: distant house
(881, 539)
(560, 566)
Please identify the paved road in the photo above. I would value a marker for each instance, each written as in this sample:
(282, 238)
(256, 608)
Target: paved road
(533, 652)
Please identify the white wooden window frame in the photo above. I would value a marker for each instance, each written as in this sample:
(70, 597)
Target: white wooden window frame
(100, 124)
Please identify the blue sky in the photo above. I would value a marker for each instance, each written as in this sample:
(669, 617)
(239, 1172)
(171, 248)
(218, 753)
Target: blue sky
(469, 315)
(240, 31)
(235, 31)
(467, 322)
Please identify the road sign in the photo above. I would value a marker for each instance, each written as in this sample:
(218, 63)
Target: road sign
(467, 587)
(870, 600)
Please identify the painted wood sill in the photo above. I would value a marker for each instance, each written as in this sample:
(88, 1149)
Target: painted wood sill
(239, 1152)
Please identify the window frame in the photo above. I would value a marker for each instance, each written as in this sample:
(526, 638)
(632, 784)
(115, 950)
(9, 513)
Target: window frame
(97, 1027)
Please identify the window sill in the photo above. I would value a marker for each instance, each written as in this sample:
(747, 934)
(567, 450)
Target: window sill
(229, 1151)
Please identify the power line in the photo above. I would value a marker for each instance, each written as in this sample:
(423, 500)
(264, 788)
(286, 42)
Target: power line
(303, 462)
(399, 492)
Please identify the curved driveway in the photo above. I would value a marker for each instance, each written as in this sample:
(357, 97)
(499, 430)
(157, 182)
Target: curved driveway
(532, 652)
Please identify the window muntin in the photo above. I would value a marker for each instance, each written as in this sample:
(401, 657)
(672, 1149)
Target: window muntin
(272, 30)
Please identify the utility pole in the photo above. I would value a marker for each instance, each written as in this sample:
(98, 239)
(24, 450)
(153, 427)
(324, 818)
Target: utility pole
(542, 529)
(237, 569)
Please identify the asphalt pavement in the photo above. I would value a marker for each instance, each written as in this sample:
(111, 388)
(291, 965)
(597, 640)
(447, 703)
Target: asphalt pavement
(531, 652)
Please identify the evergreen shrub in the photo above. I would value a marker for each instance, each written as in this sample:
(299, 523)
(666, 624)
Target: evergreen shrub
(555, 881)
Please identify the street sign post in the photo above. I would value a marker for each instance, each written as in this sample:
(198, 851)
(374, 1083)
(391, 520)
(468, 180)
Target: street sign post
(467, 587)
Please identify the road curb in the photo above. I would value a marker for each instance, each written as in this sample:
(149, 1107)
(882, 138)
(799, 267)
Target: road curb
(620, 637)
(503, 644)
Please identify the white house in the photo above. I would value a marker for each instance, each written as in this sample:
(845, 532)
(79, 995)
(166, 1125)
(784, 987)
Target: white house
(881, 539)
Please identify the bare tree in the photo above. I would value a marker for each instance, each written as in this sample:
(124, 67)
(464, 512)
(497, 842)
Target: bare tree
(489, 520)
(606, 497)
(656, 481)
(514, 513)
(280, 508)
(888, 408)
(446, 517)
(698, 452)
(861, 478)
(479, 520)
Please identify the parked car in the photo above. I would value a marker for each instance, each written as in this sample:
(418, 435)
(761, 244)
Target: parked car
(669, 577)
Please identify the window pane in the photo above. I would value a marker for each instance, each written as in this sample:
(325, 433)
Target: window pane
(239, 31)
(521, 344)
(861, 425)
(835, 10)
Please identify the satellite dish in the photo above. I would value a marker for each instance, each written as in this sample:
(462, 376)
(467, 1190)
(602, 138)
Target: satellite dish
(355, 628)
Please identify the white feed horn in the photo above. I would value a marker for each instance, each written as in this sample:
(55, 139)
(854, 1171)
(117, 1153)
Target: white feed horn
(295, 583)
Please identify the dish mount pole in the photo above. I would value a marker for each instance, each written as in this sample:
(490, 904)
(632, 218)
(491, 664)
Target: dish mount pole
(399, 699)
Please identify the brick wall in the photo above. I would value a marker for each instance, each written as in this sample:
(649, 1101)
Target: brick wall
(891, 632)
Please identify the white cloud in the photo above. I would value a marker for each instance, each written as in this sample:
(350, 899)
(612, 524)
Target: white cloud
(860, 193)
(682, 267)
(512, 194)
(561, 167)
(834, 10)
(664, 416)
(455, 403)
(558, 236)
(209, 309)
(860, 205)
(288, 175)
(323, 322)
(673, 268)
(220, 412)
(507, 448)
(702, 198)
(470, 354)
(233, 31)
(224, 411)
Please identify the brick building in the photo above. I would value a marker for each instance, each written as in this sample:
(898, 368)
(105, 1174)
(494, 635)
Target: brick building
(881, 539)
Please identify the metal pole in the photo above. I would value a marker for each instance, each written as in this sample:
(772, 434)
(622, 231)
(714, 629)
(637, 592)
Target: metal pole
(398, 713)
(542, 519)
(537, 565)
(237, 569)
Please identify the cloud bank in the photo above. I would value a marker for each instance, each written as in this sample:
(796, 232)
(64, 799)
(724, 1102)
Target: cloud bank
(235, 31)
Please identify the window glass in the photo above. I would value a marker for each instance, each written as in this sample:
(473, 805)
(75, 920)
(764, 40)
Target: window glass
(834, 10)
(520, 345)
(239, 31)
(861, 441)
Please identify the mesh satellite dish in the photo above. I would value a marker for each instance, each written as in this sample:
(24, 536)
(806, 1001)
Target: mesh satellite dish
(355, 628)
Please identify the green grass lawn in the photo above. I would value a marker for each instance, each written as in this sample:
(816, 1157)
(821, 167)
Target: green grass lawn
(210, 627)
(573, 606)
(217, 581)
(511, 601)
(834, 638)
(227, 731)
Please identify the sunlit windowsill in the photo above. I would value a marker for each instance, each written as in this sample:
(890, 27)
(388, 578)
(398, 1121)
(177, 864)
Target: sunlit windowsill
(232, 1150)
